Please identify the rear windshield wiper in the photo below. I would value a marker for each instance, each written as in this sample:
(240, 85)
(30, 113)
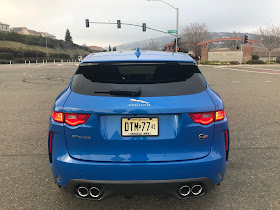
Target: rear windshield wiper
(136, 92)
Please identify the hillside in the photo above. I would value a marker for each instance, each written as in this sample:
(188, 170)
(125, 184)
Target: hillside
(19, 46)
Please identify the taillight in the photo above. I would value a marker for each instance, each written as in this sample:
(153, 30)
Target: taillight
(205, 118)
(72, 119)
(220, 115)
(76, 119)
(58, 116)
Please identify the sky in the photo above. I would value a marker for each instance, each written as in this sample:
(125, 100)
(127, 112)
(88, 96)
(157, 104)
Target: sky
(56, 16)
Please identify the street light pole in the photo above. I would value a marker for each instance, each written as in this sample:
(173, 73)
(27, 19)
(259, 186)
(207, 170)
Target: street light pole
(177, 21)
(177, 28)
(47, 47)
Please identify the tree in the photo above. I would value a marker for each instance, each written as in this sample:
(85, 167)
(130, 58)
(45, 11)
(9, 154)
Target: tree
(153, 45)
(114, 49)
(110, 48)
(68, 37)
(270, 38)
(194, 34)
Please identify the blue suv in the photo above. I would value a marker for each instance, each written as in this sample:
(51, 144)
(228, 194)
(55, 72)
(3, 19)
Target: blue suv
(134, 122)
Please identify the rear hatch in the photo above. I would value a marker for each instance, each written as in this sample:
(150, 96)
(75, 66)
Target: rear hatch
(139, 112)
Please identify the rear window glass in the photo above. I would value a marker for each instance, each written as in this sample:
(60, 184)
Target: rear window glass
(152, 79)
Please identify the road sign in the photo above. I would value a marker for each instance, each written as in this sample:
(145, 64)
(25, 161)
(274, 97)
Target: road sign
(172, 31)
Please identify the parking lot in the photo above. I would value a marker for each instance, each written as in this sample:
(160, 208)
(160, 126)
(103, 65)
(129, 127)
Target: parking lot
(252, 99)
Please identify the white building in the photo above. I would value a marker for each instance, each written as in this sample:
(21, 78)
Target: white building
(4, 27)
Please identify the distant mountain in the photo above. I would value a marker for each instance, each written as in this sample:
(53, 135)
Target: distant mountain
(143, 44)
(167, 39)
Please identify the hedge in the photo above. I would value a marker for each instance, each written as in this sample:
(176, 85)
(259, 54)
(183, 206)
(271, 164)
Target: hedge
(4, 61)
(6, 56)
(255, 62)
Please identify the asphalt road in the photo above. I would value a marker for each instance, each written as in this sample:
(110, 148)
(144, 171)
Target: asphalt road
(252, 98)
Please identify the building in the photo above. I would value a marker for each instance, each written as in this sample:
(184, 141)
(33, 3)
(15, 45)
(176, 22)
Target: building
(21, 30)
(25, 31)
(96, 48)
(34, 33)
(45, 34)
(4, 27)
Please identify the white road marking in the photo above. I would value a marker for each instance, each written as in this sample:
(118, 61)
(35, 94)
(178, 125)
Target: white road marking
(42, 77)
(235, 81)
(268, 81)
(59, 78)
(248, 67)
(258, 72)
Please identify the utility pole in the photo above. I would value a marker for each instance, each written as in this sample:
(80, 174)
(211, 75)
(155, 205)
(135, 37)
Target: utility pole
(47, 47)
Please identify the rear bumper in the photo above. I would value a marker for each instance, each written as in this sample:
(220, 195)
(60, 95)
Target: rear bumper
(108, 188)
(68, 169)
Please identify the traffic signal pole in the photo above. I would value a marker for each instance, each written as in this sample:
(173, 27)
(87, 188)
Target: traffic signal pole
(118, 23)
(177, 28)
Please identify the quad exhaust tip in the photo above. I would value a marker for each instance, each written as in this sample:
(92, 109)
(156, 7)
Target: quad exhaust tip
(186, 190)
(94, 192)
(82, 191)
(196, 189)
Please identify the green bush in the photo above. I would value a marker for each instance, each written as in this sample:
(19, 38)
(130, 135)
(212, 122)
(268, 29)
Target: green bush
(271, 62)
(4, 61)
(214, 62)
(59, 56)
(255, 62)
(255, 57)
(234, 62)
(6, 56)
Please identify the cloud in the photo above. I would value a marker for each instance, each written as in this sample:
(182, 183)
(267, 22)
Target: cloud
(56, 16)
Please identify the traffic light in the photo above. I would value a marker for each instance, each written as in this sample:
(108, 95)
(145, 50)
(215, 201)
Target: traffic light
(245, 39)
(178, 41)
(144, 27)
(119, 23)
(87, 23)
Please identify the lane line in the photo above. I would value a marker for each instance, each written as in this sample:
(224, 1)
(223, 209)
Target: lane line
(258, 72)
(259, 68)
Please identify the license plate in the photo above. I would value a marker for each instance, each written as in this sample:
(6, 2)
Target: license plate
(139, 126)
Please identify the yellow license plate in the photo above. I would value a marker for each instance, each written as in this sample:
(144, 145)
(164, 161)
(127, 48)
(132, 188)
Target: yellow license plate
(139, 126)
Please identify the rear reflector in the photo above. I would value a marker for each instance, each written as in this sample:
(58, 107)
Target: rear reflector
(50, 145)
(72, 119)
(205, 118)
(227, 140)
(50, 142)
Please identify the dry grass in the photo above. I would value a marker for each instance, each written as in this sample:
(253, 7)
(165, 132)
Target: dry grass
(20, 46)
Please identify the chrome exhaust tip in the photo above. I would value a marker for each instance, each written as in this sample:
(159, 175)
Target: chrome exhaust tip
(196, 189)
(82, 191)
(185, 190)
(94, 192)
